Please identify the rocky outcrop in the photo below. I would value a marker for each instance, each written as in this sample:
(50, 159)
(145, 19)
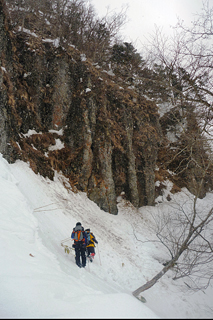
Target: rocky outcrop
(6, 88)
(109, 135)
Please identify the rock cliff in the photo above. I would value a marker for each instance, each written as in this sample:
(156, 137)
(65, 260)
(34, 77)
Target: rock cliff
(59, 111)
(109, 135)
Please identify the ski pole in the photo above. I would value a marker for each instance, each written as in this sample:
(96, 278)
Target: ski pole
(88, 265)
(99, 255)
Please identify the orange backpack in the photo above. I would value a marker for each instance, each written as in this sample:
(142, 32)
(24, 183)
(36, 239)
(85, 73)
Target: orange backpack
(78, 235)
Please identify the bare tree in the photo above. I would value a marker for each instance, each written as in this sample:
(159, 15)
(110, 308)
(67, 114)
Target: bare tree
(73, 22)
(187, 235)
(186, 60)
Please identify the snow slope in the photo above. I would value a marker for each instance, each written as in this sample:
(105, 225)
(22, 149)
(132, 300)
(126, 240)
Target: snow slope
(40, 280)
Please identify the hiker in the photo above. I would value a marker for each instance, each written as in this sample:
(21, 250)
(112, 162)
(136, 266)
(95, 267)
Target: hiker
(90, 248)
(80, 242)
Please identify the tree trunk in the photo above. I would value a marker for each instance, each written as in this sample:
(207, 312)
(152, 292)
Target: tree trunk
(151, 283)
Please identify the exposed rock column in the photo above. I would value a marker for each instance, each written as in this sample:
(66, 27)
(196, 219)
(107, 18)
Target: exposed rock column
(101, 184)
(5, 71)
(87, 157)
(132, 175)
(102, 187)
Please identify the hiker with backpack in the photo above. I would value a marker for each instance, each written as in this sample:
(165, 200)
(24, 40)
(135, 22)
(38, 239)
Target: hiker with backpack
(80, 242)
(90, 248)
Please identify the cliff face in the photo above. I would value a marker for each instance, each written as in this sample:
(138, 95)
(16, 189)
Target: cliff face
(5, 89)
(109, 134)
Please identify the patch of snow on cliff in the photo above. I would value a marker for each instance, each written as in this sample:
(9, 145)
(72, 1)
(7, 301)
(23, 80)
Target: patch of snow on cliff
(58, 145)
(30, 133)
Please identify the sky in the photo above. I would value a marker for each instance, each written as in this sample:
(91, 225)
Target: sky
(143, 15)
(38, 279)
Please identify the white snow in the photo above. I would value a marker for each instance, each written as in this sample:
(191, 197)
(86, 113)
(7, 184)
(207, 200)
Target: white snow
(40, 280)
(30, 133)
(3, 69)
(163, 107)
(83, 57)
(28, 31)
(54, 41)
(110, 72)
(59, 132)
(57, 146)
(27, 74)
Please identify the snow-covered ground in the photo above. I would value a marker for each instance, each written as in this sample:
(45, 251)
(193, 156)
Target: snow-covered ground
(38, 279)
